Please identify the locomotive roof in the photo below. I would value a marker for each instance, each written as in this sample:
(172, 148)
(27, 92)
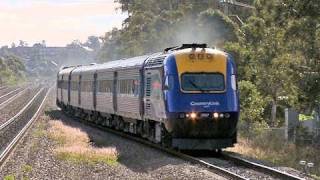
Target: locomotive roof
(124, 63)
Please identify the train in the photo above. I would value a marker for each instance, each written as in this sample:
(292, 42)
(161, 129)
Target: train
(185, 97)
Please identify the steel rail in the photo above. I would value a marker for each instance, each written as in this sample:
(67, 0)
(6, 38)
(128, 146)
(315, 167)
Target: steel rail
(3, 87)
(9, 93)
(4, 125)
(216, 169)
(266, 169)
(6, 152)
(3, 104)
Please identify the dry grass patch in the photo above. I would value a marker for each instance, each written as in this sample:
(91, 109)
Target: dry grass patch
(74, 145)
(275, 150)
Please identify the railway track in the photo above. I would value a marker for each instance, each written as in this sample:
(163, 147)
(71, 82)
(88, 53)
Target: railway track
(9, 99)
(12, 131)
(9, 94)
(236, 168)
(3, 87)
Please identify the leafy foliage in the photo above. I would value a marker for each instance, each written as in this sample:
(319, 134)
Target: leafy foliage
(278, 52)
(252, 102)
(154, 25)
(12, 70)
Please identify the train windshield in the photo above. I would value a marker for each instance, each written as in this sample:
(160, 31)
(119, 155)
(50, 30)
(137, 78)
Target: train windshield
(202, 82)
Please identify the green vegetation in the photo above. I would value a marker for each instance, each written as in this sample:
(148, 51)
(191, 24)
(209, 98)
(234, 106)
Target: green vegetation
(154, 25)
(9, 177)
(277, 52)
(26, 168)
(12, 70)
(86, 157)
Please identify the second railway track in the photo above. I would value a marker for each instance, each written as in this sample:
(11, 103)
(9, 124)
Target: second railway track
(6, 95)
(13, 130)
(6, 101)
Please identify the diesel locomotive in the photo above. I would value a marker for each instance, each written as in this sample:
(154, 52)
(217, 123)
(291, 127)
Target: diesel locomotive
(184, 97)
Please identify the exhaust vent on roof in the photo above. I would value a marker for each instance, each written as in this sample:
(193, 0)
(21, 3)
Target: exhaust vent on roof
(154, 62)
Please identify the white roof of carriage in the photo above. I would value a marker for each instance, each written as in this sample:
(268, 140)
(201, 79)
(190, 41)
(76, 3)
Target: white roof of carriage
(117, 64)
(123, 63)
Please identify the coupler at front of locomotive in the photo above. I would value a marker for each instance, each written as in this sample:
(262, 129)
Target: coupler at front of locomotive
(202, 130)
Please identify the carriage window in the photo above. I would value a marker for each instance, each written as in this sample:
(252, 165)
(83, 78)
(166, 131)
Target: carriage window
(202, 82)
(105, 86)
(86, 86)
(128, 86)
(74, 86)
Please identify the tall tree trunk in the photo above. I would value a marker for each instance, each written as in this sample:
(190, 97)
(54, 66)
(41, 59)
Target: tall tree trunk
(273, 113)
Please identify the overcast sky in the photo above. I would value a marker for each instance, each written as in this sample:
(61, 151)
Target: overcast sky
(56, 21)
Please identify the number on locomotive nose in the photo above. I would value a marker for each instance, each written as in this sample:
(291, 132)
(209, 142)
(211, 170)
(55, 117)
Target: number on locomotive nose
(200, 56)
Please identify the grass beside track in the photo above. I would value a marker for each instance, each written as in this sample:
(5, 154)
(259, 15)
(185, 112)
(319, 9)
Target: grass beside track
(279, 153)
(74, 145)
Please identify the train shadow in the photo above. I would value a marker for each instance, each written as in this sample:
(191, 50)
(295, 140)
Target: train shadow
(133, 155)
(202, 153)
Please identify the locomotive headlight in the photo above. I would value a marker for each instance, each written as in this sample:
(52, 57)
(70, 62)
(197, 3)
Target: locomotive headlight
(227, 115)
(221, 115)
(182, 115)
(193, 115)
(215, 115)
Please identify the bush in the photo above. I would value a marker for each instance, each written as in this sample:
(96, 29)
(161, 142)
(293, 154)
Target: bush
(251, 103)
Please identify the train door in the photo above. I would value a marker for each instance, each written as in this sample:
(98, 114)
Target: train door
(141, 92)
(58, 86)
(114, 90)
(95, 90)
(154, 101)
(79, 90)
(62, 86)
(69, 87)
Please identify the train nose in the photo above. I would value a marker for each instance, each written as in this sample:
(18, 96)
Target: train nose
(203, 125)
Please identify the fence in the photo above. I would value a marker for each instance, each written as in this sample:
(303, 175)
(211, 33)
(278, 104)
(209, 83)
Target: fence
(298, 135)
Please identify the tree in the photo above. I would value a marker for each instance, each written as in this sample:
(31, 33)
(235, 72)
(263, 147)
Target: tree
(22, 43)
(155, 25)
(303, 35)
(265, 56)
(252, 103)
(12, 70)
(74, 44)
(93, 42)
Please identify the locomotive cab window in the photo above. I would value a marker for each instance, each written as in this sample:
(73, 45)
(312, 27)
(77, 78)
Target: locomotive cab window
(202, 82)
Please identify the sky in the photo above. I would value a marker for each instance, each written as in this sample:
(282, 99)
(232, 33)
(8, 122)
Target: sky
(59, 22)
